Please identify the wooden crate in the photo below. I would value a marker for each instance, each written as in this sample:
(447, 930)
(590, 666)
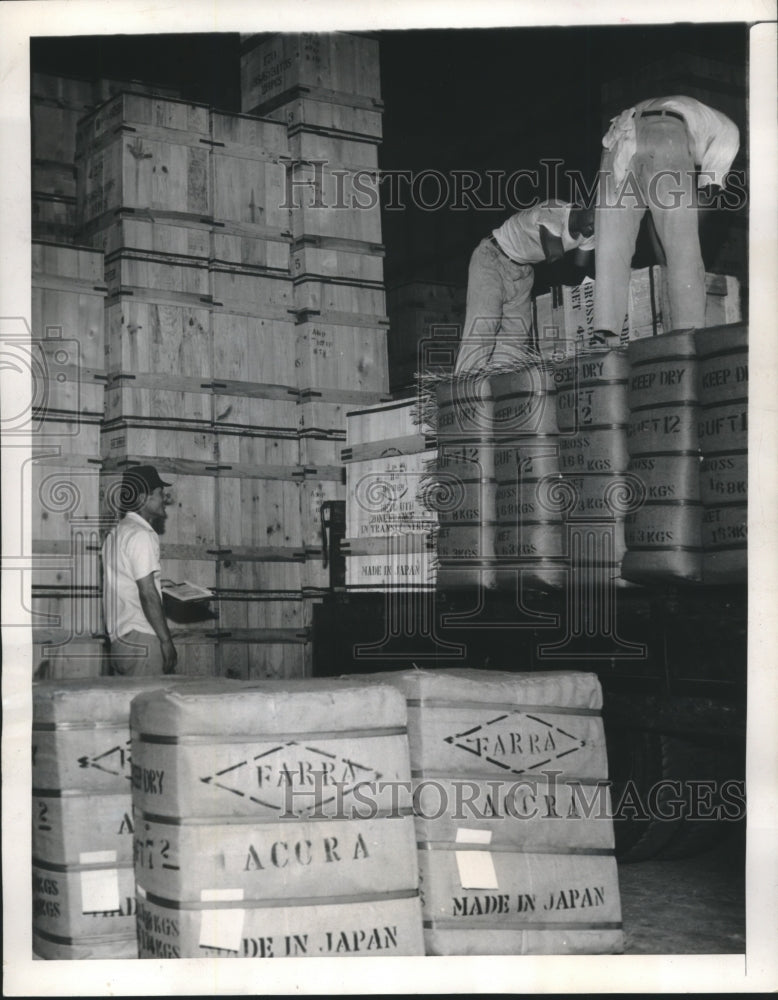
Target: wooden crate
(65, 496)
(53, 178)
(163, 422)
(311, 108)
(323, 258)
(251, 291)
(319, 144)
(158, 276)
(68, 294)
(66, 657)
(53, 218)
(391, 495)
(151, 231)
(341, 62)
(403, 563)
(339, 357)
(137, 151)
(248, 173)
(147, 336)
(253, 349)
(398, 424)
(334, 200)
(72, 612)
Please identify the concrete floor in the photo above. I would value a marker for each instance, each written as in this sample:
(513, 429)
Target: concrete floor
(686, 907)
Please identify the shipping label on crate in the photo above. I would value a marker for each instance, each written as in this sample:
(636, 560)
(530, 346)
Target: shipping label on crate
(392, 495)
(284, 777)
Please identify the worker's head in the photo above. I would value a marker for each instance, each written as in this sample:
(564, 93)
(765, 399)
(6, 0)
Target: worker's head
(143, 491)
(581, 222)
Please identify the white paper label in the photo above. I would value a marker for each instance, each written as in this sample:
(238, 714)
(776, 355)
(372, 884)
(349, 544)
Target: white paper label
(100, 891)
(221, 929)
(476, 868)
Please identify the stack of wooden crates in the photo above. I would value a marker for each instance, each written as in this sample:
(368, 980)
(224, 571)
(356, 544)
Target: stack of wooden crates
(325, 89)
(245, 315)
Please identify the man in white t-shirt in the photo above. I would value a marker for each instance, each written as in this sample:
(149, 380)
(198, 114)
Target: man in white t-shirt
(649, 163)
(498, 320)
(132, 596)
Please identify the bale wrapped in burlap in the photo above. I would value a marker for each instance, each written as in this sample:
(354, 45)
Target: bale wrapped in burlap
(512, 811)
(273, 819)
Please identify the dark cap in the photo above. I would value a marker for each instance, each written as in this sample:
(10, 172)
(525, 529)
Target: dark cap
(139, 482)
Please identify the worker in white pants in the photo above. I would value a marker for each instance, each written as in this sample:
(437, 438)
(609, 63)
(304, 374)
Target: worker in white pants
(649, 163)
(498, 317)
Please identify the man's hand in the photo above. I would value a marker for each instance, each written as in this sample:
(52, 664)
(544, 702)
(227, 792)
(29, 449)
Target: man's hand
(169, 657)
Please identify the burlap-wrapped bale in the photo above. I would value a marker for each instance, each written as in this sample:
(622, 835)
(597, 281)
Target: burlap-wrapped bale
(512, 811)
(723, 431)
(273, 818)
(82, 825)
(664, 535)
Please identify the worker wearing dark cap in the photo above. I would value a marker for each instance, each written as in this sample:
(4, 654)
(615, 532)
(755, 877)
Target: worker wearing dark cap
(666, 156)
(141, 643)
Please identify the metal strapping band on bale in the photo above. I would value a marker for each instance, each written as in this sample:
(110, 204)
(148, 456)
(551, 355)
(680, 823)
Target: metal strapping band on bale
(507, 709)
(665, 548)
(505, 924)
(264, 904)
(399, 812)
(491, 779)
(270, 737)
(664, 405)
(664, 504)
(101, 939)
(73, 793)
(724, 401)
(50, 866)
(655, 359)
(447, 845)
(681, 453)
(52, 727)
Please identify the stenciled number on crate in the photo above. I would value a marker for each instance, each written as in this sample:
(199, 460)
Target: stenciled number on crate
(275, 781)
(524, 743)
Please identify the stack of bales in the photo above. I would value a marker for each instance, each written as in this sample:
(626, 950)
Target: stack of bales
(723, 433)
(249, 838)
(592, 414)
(56, 104)
(563, 318)
(530, 507)
(82, 826)
(325, 88)
(389, 521)
(513, 861)
(187, 204)
(67, 367)
(664, 534)
(465, 482)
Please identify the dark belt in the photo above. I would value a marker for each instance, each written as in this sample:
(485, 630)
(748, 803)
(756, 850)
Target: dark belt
(494, 243)
(662, 113)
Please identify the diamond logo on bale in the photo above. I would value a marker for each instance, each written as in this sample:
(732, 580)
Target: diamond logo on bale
(517, 742)
(280, 777)
(114, 761)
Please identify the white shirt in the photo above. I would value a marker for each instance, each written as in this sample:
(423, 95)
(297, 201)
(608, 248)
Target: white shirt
(519, 237)
(715, 137)
(130, 553)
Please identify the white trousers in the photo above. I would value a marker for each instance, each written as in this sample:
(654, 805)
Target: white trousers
(661, 179)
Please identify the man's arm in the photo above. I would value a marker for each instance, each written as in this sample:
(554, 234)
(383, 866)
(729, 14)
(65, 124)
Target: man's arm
(151, 603)
(553, 248)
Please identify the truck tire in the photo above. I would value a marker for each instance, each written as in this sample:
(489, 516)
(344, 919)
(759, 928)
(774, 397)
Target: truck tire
(638, 760)
(703, 762)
